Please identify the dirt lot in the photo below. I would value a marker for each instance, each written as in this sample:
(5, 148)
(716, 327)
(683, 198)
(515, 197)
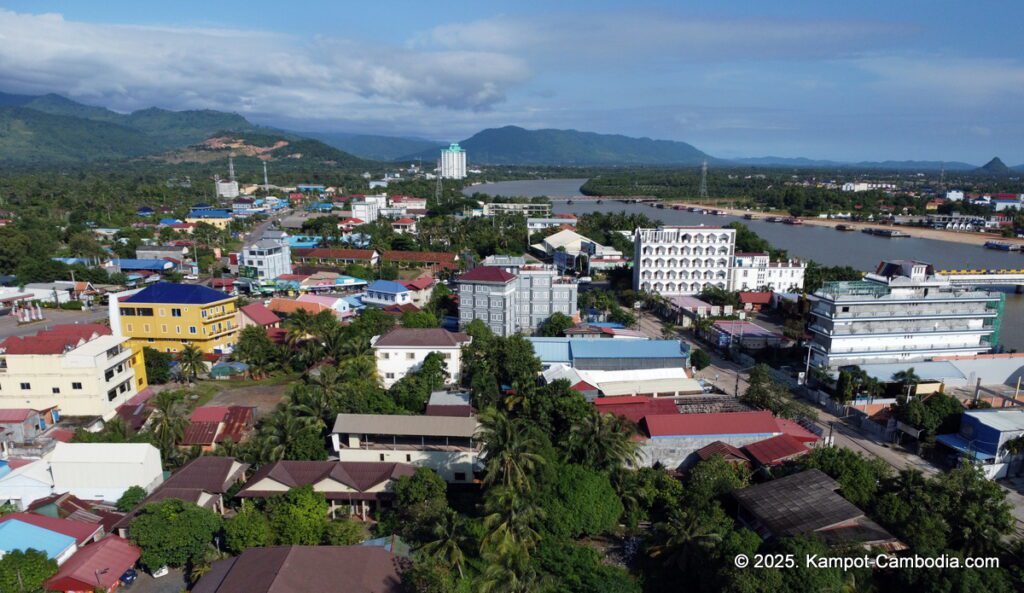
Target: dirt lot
(264, 397)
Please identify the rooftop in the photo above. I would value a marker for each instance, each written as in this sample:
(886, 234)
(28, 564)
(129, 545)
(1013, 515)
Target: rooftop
(1006, 420)
(102, 562)
(360, 476)
(776, 449)
(56, 340)
(19, 535)
(487, 274)
(716, 424)
(387, 286)
(260, 314)
(183, 294)
(102, 452)
(434, 337)
(431, 426)
(80, 531)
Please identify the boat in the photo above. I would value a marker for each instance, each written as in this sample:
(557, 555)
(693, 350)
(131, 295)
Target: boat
(600, 201)
(719, 212)
(1003, 246)
(749, 217)
(845, 227)
(693, 209)
(887, 233)
(774, 219)
(793, 221)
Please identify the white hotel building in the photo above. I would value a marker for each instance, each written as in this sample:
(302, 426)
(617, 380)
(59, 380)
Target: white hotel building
(756, 271)
(453, 162)
(901, 313)
(682, 260)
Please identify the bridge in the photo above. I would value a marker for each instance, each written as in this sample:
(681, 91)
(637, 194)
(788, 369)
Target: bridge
(623, 199)
(986, 277)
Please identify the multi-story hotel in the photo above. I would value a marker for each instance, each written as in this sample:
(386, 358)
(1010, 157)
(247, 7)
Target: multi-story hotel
(267, 258)
(682, 260)
(81, 369)
(756, 271)
(167, 316)
(453, 162)
(903, 312)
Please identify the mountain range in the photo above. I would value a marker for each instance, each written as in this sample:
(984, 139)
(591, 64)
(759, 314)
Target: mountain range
(54, 129)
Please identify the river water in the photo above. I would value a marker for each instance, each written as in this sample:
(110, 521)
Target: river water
(825, 245)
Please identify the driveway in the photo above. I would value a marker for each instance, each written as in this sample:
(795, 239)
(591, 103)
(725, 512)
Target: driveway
(173, 582)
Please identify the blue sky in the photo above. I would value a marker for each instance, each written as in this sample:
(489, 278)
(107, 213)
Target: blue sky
(849, 80)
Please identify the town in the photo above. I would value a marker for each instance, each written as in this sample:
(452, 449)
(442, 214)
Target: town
(357, 299)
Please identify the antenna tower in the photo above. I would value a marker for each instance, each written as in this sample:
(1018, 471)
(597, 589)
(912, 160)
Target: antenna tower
(438, 188)
(231, 168)
(942, 175)
(703, 180)
(266, 183)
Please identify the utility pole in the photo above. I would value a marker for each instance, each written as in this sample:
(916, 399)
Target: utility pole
(703, 193)
(438, 189)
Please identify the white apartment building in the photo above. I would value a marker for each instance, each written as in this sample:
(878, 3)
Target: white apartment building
(866, 186)
(901, 313)
(756, 271)
(453, 162)
(403, 350)
(675, 260)
(955, 195)
(227, 189)
(365, 210)
(267, 258)
(527, 209)
(445, 444)
(81, 369)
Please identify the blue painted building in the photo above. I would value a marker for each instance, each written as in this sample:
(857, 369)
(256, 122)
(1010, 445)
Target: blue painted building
(983, 437)
(384, 293)
(18, 535)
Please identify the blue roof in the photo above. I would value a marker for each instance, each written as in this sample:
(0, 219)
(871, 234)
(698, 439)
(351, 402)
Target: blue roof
(608, 324)
(18, 535)
(71, 260)
(184, 294)
(565, 350)
(143, 264)
(551, 350)
(168, 221)
(959, 443)
(209, 213)
(355, 301)
(387, 286)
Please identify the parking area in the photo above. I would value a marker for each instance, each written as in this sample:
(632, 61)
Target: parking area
(173, 582)
(264, 397)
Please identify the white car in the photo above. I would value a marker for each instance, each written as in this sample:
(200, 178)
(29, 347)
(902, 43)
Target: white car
(191, 277)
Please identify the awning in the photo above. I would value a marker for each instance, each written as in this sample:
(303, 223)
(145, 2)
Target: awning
(958, 443)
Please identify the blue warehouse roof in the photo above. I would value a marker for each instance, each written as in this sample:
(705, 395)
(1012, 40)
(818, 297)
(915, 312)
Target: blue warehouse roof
(565, 350)
(387, 286)
(209, 213)
(185, 294)
(155, 265)
(18, 535)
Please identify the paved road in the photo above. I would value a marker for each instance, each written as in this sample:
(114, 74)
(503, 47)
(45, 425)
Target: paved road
(9, 325)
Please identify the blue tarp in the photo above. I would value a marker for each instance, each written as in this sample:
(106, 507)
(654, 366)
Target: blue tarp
(959, 443)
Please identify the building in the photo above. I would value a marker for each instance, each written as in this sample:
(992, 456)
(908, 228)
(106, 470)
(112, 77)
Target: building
(176, 252)
(445, 444)
(267, 258)
(301, 569)
(449, 403)
(168, 316)
(488, 293)
(611, 355)
(534, 225)
(682, 260)
(227, 188)
(527, 209)
(571, 251)
(96, 567)
(512, 296)
(756, 271)
(751, 336)
(983, 437)
(902, 312)
(421, 289)
(212, 425)
(402, 351)
(453, 162)
(357, 487)
(656, 383)
(365, 210)
(83, 532)
(433, 260)
(81, 369)
(862, 186)
(807, 503)
(257, 314)
(383, 293)
(23, 425)
(18, 535)
(335, 257)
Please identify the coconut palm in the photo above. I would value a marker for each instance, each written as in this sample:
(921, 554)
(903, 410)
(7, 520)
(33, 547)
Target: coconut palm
(603, 442)
(190, 361)
(168, 420)
(907, 378)
(681, 536)
(510, 519)
(509, 451)
(450, 541)
(284, 428)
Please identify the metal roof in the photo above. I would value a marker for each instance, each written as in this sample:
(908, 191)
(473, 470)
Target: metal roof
(798, 503)
(18, 535)
(1001, 420)
(184, 294)
(926, 370)
(431, 426)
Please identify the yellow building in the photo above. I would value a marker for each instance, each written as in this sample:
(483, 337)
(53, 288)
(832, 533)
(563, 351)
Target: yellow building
(220, 223)
(167, 316)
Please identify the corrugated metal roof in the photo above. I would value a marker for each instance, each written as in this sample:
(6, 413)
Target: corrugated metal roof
(727, 423)
(439, 426)
(1001, 420)
(185, 294)
(18, 535)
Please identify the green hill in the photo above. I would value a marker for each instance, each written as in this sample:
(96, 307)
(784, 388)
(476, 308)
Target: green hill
(512, 145)
(30, 136)
(995, 167)
(380, 148)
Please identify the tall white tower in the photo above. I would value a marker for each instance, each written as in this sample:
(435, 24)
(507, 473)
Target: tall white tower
(453, 162)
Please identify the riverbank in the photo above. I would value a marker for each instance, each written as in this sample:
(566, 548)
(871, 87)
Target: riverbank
(964, 238)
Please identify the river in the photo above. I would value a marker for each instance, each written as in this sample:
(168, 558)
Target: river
(825, 245)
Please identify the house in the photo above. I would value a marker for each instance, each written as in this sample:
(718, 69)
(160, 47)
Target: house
(23, 425)
(212, 425)
(69, 506)
(301, 569)
(776, 450)
(445, 444)
(338, 305)
(404, 226)
(755, 301)
(83, 532)
(96, 567)
(983, 437)
(335, 257)
(449, 403)
(354, 486)
(402, 351)
(383, 293)
(807, 503)
(432, 260)
(726, 451)
(726, 333)
(18, 535)
(167, 317)
(81, 369)
(421, 290)
(611, 355)
(633, 408)
(257, 314)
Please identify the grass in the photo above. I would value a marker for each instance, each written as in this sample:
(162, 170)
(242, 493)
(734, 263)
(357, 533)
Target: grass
(267, 382)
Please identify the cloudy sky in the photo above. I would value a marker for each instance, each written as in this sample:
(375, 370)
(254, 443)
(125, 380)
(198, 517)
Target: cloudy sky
(851, 80)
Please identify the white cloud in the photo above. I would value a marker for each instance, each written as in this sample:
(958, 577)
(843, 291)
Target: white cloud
(969, 82)
(128, 66)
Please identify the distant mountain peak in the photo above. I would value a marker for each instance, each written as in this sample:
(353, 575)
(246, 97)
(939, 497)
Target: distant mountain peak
(995, 167)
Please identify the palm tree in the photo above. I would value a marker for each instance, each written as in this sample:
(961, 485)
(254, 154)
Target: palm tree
(450, 541)
(168, 421)
(190, 360)
(603, 442)
(510, 519)
(283, 428)
(907, 378)
(300, 324)
(681, 536)
(509, 451)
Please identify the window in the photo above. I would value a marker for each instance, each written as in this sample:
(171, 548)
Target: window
(76, 385)
(56, 390)
(26, 386)
(144, 312)
(408, 457)
(177, 329)
(389, 375)
(112, 395)
(460, 476)
(191, 329)
(128, 311)
(410, 355)
(129, 327)
(385, 355)
(145, 327)
(175, 312)
(163, 328)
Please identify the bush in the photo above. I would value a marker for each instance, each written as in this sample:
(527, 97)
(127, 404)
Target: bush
(581, 502)
(131, 498)
(700, 359)
(72, 306)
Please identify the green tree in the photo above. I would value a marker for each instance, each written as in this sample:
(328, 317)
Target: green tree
(343, 532)
(555, 325)
(256, 349)
(158, 365)
(25, 571)
(700, 359)
(173, 533)
(976, 510)
(168, 422)
(714, 479)
(765, 393)
(449, 542)
(298, 517)
(509, 451)
(190, 361)
(131, 498)
(687, 535)
(423, 318)
(859, 477)
(249, 528)
(603, 442)
(580, 502)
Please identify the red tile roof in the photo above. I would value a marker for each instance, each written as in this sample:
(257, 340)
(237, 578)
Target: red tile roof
(55, 340)
(487, 274)
(105, 561)
(434, 337)
(721, 423)
(404, 221)
(421, 283)
(15, 415)
(775, 450)
(325, 253)
(289, 306)
(755, 298)
(82, 532)
(440, 258)
(260, 314)
(635, 407)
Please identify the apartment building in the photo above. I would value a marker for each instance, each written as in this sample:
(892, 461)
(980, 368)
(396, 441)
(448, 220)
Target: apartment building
(265, 260)
(540, 291)
(488, 293)
(682, 260)
(756, 271)
(403, 350)
(167, 316)
(527, 209)
(903, 312)
(445, 444)
(83, 370)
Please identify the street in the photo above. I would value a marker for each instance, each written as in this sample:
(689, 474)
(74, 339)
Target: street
(9, 324)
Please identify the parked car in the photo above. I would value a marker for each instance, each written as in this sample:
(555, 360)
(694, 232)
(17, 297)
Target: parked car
(129, 577)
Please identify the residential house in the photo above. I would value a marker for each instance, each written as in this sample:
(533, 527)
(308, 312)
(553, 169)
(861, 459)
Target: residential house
(383, 293)
(83, 532)
(301, 569)
(984, 436)
(81, 369)
(445, 444)
(210, 426)
(402, 351)
(167, 317)
(357, 487)
(24, 425)
(338, 305)
(257, 314)
(404, 226)
(421, 289)
(96, 567)
(18, 535)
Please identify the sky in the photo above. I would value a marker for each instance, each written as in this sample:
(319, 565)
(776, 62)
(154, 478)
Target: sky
(852, 80)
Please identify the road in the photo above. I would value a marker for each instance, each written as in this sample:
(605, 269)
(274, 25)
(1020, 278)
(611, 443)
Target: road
(9, 325)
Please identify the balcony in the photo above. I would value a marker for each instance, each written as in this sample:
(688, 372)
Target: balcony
(899, 331)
